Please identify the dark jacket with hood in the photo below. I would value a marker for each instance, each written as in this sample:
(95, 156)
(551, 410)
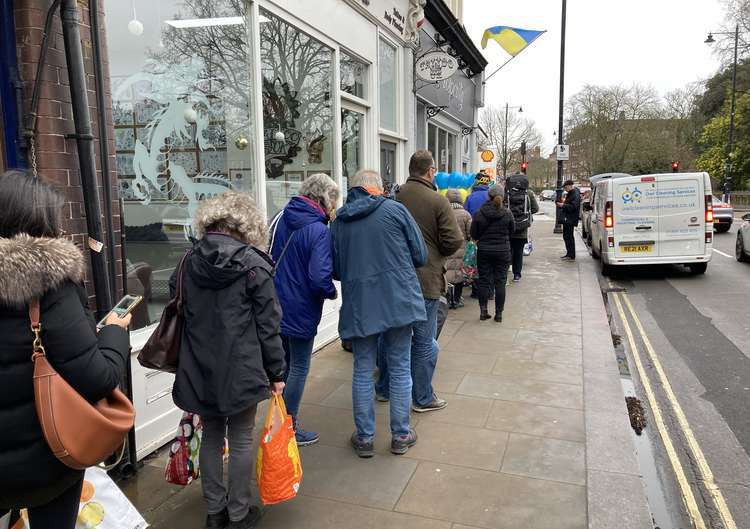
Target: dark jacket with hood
(377, 248)
(304, 276)
(231, 346)
(571, 209)
(439, 228)
(51, 270)
(477, 197)
(493, 226)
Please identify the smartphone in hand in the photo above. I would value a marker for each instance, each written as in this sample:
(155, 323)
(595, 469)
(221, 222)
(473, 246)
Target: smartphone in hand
(125, 306)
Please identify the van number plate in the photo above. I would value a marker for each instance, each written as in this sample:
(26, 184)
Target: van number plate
(641, 248)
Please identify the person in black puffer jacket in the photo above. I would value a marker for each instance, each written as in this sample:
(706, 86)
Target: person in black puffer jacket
(492, 227)
(35, 262)
(231, 353)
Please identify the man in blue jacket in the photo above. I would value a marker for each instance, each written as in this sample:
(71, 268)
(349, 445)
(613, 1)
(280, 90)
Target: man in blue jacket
(303, 250)
(377, 249)
(478, 195)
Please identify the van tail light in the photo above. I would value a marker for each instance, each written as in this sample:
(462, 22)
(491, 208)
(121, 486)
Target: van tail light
(609, 218)
(709, 209)
(611, 241)
(709, 237)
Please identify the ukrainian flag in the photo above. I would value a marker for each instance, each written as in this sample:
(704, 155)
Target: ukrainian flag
(512, 40)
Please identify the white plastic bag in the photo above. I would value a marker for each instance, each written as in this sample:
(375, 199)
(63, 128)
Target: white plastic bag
(528, 247)
(103, 506)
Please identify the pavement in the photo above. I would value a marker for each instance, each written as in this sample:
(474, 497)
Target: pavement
(535, 436)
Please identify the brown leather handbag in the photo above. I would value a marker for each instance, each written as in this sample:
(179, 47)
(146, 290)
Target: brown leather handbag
(80, 434)
(162, 350)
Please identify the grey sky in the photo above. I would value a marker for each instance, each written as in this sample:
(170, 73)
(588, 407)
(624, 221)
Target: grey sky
(656, 42)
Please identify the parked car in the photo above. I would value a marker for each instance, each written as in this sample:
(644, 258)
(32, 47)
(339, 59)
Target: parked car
(742, 249)
(723, 216)
(547, 194)
(585, 199)
(652, 220)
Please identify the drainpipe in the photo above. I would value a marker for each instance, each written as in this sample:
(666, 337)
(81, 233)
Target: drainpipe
(85, 146)
(103, 142)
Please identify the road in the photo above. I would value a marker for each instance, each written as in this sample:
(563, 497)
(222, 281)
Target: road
(693, 336)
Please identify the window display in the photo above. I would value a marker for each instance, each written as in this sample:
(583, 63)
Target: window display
(297, 108)
(387, 74)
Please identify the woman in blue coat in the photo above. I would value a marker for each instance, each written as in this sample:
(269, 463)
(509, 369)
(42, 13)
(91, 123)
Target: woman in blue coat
(302, 248)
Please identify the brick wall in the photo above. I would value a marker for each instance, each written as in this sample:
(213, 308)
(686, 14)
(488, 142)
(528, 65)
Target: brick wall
(57, 157)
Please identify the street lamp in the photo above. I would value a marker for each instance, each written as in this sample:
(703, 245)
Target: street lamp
(730, 140)
(560, 136)
(505, 137)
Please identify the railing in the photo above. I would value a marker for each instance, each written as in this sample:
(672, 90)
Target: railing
(741, 200)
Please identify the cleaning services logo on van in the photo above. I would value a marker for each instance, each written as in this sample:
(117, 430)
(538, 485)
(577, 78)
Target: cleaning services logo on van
(630, 197)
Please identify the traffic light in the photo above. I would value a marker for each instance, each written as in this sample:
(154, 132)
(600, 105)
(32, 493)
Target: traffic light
(524, 166)
(675, 166)
(523, 148)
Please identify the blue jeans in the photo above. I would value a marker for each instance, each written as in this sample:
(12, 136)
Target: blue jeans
(424, 354)
(396, 344)
(298, 352)
(381, 386)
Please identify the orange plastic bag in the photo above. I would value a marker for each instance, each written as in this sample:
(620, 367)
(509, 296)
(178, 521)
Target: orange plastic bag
(278, 468)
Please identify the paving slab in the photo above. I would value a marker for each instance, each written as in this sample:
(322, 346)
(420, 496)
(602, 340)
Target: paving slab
(622, 510)
(543, 421)
(461, 411)
(530, 391)
(543, 371)
(493, 500)
(543, 458)
(444, 443)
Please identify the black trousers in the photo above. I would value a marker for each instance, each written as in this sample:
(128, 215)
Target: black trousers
(493, 274)
(570, 242)
(60, 513)
(516, 250)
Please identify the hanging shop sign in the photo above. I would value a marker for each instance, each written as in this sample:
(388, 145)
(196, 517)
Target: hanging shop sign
(488, 156)
(436, 66)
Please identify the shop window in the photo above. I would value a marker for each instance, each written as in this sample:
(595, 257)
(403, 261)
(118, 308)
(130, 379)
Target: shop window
(387, 78)
(451, 149)
(421, 125)
(442, 156)
(297, 109)
(183, 129)
(353, 74)
(432, 141)
(352, 144)
(388, 168)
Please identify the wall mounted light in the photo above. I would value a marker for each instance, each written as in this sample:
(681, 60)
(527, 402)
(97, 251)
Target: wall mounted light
(135, 26)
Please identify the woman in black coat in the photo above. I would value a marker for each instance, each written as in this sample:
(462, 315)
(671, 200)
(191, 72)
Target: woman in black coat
(35, 262)
(231, 352)
(492, 227)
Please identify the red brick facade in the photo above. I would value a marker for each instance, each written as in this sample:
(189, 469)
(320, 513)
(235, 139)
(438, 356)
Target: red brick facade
(57, 157)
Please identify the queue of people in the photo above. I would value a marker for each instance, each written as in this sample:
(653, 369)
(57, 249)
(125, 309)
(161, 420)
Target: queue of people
(251, 306)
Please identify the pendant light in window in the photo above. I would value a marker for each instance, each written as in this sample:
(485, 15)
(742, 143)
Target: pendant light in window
(135, 26)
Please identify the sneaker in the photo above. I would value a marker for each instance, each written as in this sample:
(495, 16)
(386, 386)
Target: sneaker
(217, 521)
(305, 438)
(380, 397)
(362, 447)
(567, 258)
(517, 278)
(401, 443)
(251, 518)
(436, 404)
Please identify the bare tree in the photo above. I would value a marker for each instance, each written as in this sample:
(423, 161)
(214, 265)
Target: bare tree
(508, 140)
(737, 13)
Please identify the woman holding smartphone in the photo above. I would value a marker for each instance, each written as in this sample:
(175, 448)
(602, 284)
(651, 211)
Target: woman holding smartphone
(37, 263)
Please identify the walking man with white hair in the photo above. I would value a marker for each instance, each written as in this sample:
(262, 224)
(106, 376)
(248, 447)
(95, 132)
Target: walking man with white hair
(377, 249)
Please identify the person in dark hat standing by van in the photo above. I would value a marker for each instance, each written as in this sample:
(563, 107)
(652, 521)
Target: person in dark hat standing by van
(569, 215)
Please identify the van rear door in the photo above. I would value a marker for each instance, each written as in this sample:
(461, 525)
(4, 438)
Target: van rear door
(682, 223)
(636, 211)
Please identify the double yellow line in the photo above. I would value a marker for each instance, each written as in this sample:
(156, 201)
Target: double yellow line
(707, 476)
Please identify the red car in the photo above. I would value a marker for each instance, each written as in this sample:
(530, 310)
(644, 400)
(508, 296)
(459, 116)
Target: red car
(723, 215)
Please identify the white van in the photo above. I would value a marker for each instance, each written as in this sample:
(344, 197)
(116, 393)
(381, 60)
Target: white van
(652, 219)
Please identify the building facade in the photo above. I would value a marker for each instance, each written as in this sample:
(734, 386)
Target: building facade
(192, 98)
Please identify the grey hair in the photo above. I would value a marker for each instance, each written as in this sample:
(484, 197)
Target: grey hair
(235, 213)
(322, 189)
(366, 178)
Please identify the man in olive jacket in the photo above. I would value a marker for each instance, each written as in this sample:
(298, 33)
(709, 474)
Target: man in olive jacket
(443, 237)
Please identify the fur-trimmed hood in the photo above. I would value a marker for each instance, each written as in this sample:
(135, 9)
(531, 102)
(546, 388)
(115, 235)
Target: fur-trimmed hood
(32, 266)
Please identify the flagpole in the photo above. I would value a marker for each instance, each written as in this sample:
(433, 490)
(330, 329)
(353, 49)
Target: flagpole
(514, 56)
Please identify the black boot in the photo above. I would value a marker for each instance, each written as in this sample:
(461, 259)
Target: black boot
(498, 317)
(483, 314)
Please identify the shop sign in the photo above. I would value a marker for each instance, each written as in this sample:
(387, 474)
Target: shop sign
(392, 15)
(436, 66)
(488, 156)
(562, 153)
